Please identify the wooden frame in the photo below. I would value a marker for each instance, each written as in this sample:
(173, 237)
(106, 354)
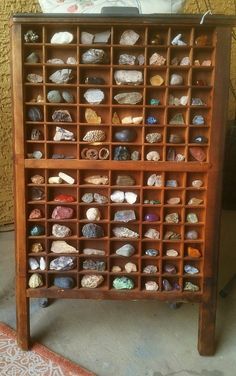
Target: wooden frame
(214, 110)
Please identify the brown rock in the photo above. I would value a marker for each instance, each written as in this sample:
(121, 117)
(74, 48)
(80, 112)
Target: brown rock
(115, 118)
(91, 117)
(198, 154)
(37, 179)
(35, 214)
(194, 252)
(201, 41)
(156, 80)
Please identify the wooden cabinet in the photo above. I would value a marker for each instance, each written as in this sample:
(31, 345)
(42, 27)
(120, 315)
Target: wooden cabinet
(167, 172)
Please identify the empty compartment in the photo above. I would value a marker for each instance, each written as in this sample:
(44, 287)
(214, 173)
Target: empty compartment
(95, 76)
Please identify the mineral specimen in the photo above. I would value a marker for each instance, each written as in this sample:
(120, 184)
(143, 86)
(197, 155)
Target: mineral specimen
(151, 252)
(64, 282)
(192, 218)
(172, 253)
(100, 199)
(64, 198)
(60, 231)
(199, 139)
(100, 266)
(129, 37)
(37, 230)
(170, 268)
(132, 120)
(155, 180)
(125, 180)
(152, 120)
(54, 96)
(126, 135)
(152, 233)
(156, 80)
(171, 183)
(55, 61)
(128, 97)
(37, 194)
(97, 179)
(130, 267)
(61, 246)
(102, 37)
(35, 281)
(92, 251)
(198, 120)
(177, 41)
(62, 263)
(121, 153)
(42, 263)
(177, 119)
(94, 80)
(33, 263)
(35, 214)
(124, 232)
(87, 197)
(131, 197)
(176, 79)
(151, 217)
(35, 114)
(63, 37)
(62, 116)
(153, 137)
(91, 230)
(151, 286)
(36, 248)
(190, 269)
(123, 283)
(150, 269)
(195, 201)
(201, 41)
(191, 235)
(157, 59)
(154, 102)
(94, 136)
(166, 285)
(61, 76)
(171, 235)
(116, 269)
(189, 286)
(128, 77)
(94, 56)
(94, 96)
(86, 38)
(198, 154)
(124, 216)
(126, 59)
(197, 183)
(153, 156)
(91, 281)
(34, 78)
(93, 214)
(185, 61)
(193, 252)
(31, 36)
(71, 60)
(67, 178)
(173, 201)
(63, 134)
(91, 117)
(62, 212)
(175, 138)
(172, 218)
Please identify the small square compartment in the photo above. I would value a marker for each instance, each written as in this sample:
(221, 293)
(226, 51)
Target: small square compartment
(154, 117)
(172, 262)
(106, 60)
(117, 51)
(177, 246)
(200, 213)
(54, 191)
(134, 152)
(178, 93)
(176, 154)
(205, 96)
(196, 264)
(121, 262)
(30, 225)
(200, 112)
(51, 207)
(195, 281)
(71, 225)
(192, 176)
(147, 226)
(180, 133)
(105, 91)
(54, 172)
(205, 32)
(175, 283)
(38, 206)
(56, 52)
(32, 172)
(176, 210)
(149, 244)
(154, 213)
(34, 244)
(198, 132)
(204, 149)
(34, 147)
(131, 276)
(103, 174)
(197, 246)
(92, 29)
(150, 261)
(102, 225)
(92, 243)
(36, 30)
(50, 32)
(50, 110)
(154, 197)
(118, 243)
(175, 229)
(34, 94)
(51, 257)
(177, 55)
(171, 195)
(117, 91)
(158, 36)
(134, 133)
(202, 78)
(62, 150)
(128, 116)
(173, 113)
(103, 112)
(184, 72)
(119, 30)
(157, 94)
(150, 153)
(155, 70)
(160, 51)
(103, 209)
(63, 104)
(179, 177)
(98, 71)
(84, 129)
(34, 130)
(193, 227)
(29, 107)
(31, 193)
(51, 132)
(101, 152)
(159, 179)
(43, 278)
(37, 70)
(95, 259)
(115, 209)
(186, 36)
(135, 176)
(149, 131)
(70, 273)
(200, 195)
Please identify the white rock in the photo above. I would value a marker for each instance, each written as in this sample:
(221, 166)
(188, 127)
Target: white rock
(127, 120)
(60, 246)
(151, 286)
(67, 178)
(86, 38)
(94, 96)
(176, 79)
(175, 40)
(42, 263)
(93, 214)
(54, 180)
(137, 119)
(171, 253)
(184, 100)
(131, 197)
(33, 263)
(130, 267)
(127, 77)
(151, 233)
(61, 76)
(63, 134)
(102, 37)
(117, 196)
(153, 156)
(55, 61)
(129, 38)
(63, 37)
(71, 60)
(92, 251)
(155, 180)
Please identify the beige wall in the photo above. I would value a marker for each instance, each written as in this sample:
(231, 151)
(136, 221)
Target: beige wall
(7, 7)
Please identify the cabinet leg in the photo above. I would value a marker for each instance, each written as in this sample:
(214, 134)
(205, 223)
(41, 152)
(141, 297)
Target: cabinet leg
(23, 324)
(206, 328)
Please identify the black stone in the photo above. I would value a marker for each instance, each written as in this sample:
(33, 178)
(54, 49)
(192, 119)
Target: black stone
(92, 230)
(35, 114)
(200, 140)
(126, 135)
(37, 194)
(64, 282)
(121, 153)
(94, 80)
(94, 265)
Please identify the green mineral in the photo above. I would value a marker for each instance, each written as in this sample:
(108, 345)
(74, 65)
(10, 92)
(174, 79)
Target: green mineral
(123, 283)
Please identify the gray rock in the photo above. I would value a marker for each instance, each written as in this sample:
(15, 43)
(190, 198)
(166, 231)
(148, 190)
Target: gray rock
(37, 154)
(62, 263)
(191, 235)
(153, 137)
(67, 96)
(35, 114)
(126, 59)
(124, 232)
(125, 180)
(126, 250)
(128, 77)
(62, 116)
(54, 96)
(31, 36)
(121, 153)
(33, 58)
(100, 266)
(60, 231)
(128, 97)
(94, 56)
(86, 38)
(129, 37)
(126, 135)
(61, 76)
(64, 282)
(37, 194)
(63, 134)
(92, 230)
(33, 263)
(35, 134)
(150, 269)
(87, 197)
(94, 96)
(135, 155)
(125, 216)
(102, 37)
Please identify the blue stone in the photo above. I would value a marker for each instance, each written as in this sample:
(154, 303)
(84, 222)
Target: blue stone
(151, 252)
(37, 230)
(198, 120)
(121, 153)
(151, 120)
(64, 282)
(190, 269)
(154, 101)
(200, 140)
(166, 285)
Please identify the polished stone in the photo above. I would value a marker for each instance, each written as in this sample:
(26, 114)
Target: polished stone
(156, 80)
(125, 135)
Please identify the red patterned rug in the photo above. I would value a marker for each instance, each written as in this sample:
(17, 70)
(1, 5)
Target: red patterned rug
(40, 361)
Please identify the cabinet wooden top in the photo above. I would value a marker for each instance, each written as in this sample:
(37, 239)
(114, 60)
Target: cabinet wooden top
(159, 19)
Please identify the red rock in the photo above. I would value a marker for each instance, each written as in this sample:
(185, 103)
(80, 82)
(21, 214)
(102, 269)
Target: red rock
(64, 198)
(201, 41)
(62, 212)
(193, 252)
(198, 154)
(35, 214)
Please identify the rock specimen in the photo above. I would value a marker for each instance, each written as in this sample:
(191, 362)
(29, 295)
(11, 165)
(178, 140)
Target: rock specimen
(172, 253)
(177, 41)
(123, 283)
(93, 214)
(152, 120)
(94, 265)
(193, 252)
(195, 201)
(171, 183)
(197, 183)
(36, 248)
(121, 153)
(37, 194)
(94, 80)
(62, 212)
(102, 37)
(35, 214)
(156, 80)
(116, 269)
(172, 218)
(94, 96)
(176, 79)
(197, 153)
(190, 269)
(152, 233)
(37, 230)
(62, 116)
(154, 102)
(67, 178)
(170, 269)
(125, 135)
(192, 218)
(92, 251)
(201, 41)
(55, 61)
(61, 246)
(174, 101)
(35, 281)
(64, 282)
(166, 285)
(97, 179)
(33, 263)
(128, 77)
(124, 232)
(125, 216)
(126, 59)
(34, 78)
(60, 231)
(128, 97)
(191, 235)
(67, 96)
(157, 59)
(132, 120)
(37, 179)
(61, 76)
(151, 217)
(185, 61)
(198, 120)
(54, 96)
(199, 140)
(62, 263)
(155, 180)
(171, 235)
(91, 230)
(64, 198)
(63, 37)
(31, 36)
(71, 60)
(130, 267)
(35, 114)
(94, 136)
(150, 269)
(153, 137)
(129, 38)
(153, 156)
(131, 197)
(86, 38)
(117, 196)
(91, 117)
(151, 252)
(91, 281)
(177, 119)
(63, 134)
(87, 198)
(175, 138)
(173, 201)
(94, 56)
(156, 39)
(125, 180)
(189, 286)
(151, 286)
(100, 199)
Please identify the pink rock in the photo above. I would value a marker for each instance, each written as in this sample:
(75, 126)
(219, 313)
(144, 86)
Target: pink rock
(62, 212)
(35, 214)
(198, 154)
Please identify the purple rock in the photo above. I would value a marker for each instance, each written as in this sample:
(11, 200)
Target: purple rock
(170, 268)
(166, 285)
(151, 217)
(62, 212)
